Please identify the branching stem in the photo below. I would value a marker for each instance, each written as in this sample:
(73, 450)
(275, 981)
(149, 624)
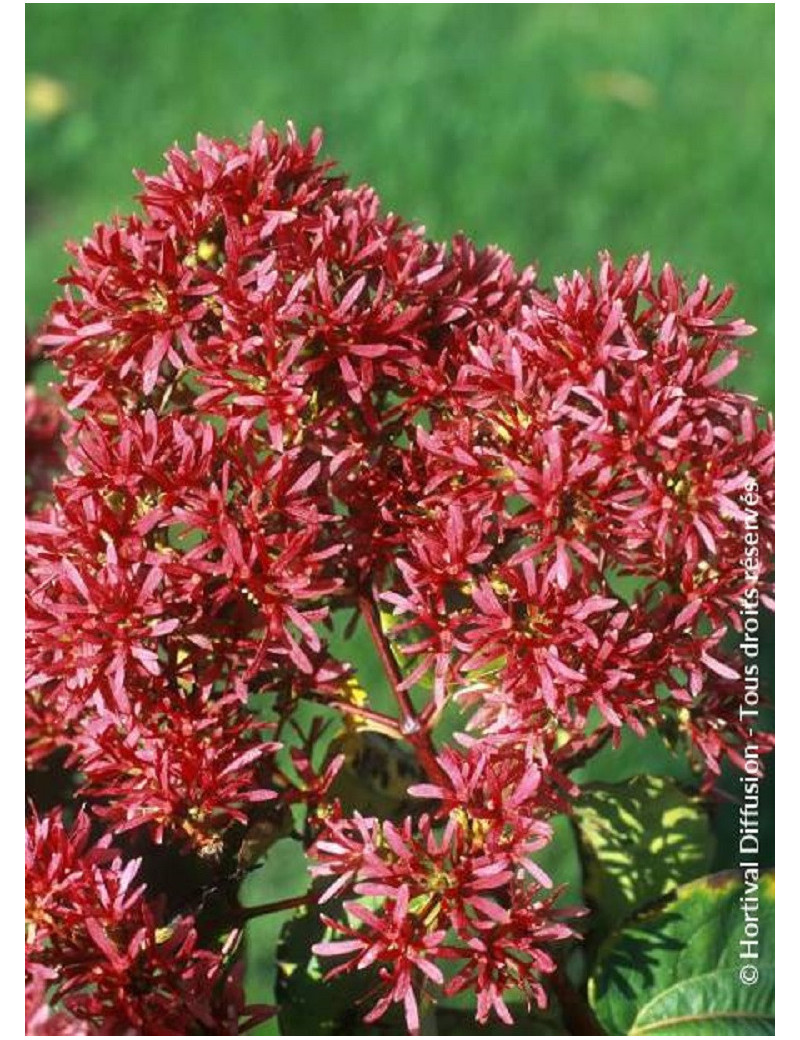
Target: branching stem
(412, 728)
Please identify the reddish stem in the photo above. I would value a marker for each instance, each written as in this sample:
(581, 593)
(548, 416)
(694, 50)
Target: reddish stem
(372, 619)
(578, 1016)
(378, 718)
(593, 745)
(412, 728)
(246, 913)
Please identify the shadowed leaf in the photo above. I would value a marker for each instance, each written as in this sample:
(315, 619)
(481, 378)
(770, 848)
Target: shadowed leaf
(638, 840)
(675, 969)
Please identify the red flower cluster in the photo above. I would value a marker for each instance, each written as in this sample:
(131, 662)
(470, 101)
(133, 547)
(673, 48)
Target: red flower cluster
(289, 405)
(461, 885)
(118, 967)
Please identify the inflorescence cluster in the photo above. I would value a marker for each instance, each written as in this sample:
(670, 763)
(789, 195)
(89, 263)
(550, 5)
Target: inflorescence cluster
(285, 407)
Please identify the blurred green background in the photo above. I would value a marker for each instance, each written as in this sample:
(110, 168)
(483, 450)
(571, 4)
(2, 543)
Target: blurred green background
(552, 130)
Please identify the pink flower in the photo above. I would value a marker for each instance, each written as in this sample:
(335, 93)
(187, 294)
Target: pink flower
(116, 966)
(435, 899)
(292, 413)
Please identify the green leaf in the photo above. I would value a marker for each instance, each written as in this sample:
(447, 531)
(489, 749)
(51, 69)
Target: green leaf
(638, 840)
(306, 1003)
(282, 875)
(675, 969)
(635, 755)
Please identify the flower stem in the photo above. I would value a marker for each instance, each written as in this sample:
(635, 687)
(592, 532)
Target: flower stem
(371, 616)
(377, 718)
(578, 1016)
(412, 729)
(595, 743)
(246, 913)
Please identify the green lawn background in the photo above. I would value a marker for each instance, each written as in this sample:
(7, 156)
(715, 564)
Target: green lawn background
(552, 130)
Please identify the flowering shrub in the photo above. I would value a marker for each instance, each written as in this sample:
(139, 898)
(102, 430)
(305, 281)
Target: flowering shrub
(285, 411)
